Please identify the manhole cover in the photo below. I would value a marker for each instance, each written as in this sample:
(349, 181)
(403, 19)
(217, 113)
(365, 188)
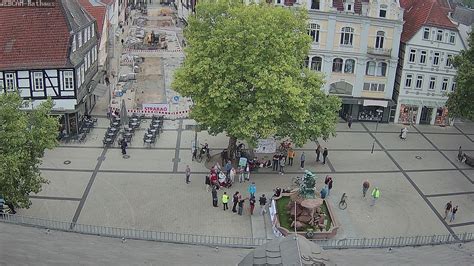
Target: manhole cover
(418, 157)
(125, 156)
(67, 162)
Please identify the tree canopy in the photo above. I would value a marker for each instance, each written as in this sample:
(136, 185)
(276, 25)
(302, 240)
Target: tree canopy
(461, 101)
(244, 72)
(23, 138)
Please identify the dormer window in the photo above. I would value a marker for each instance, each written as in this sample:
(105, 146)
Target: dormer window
(426, 33)
(73, 43)
(349, 7)
(383, 11)
(315, 4)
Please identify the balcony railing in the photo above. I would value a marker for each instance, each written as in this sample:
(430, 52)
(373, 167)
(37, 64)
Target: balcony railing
(379, 51)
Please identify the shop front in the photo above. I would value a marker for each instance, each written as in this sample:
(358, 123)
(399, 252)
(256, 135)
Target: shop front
(365, 110)
(426, 112)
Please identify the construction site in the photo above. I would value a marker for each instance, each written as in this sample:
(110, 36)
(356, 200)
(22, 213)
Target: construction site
(150, 51)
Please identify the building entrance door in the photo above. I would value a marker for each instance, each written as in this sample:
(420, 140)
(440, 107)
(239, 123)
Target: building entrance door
(426, 115)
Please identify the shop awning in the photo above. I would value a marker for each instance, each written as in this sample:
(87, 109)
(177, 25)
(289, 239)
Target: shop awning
(410, 101)
(380, 103)
(436, 104)
(100, 90)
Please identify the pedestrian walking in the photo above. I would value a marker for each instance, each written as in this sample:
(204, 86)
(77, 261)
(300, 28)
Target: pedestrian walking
(252, 204)
(329, 185)
(447, 209)
(214, 196)
(460, 154)
(302, 159)
(188, 173)
(403, 134)
(263, 202)
(365, 187)
(252, 189)
(318, 152)
(227, 168)
(349, 121)
(247, 172)
(324, 192)
(207, 182)
(375, 195)
(291, 156)
(232, 174)
(241, 174)
(282, 165)
(123, 146)
(241, 206)
(275, 160)
(225, 200)
(453, 213)
(235, 200)
(325, 155)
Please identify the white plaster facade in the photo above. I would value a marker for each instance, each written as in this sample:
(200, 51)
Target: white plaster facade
(427, 75)
(357, 52)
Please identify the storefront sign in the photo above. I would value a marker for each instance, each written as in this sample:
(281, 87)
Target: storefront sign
(266, 146)
(156, 107)
(375, 103)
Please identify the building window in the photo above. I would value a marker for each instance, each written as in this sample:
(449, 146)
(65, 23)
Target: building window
(379, 39)
(348, 7)
(366, 86)
(10, 81)
(444, 86)
(78, 77)
(38, 81)
(83, 71)
(92, 30)
(373, 87)
(419, 82)
(439, 35)
(79, 38)
(349, 66)
(315, 4)
(337, 65)
(68, 80)
(316, 63)
(347, 36)
(73, 46)
(408, 80)
(313, 31)
(381, 87)
(436, 59)
(383, 11)
(449, 61)
(381, 69)
(426, 33)
(452, 37)
(453, 86)
(86, 61)
(423, 57)
(432, 83)
(412, 57)
(370, 68)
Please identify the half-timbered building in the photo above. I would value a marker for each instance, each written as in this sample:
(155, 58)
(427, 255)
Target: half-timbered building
(50, 51)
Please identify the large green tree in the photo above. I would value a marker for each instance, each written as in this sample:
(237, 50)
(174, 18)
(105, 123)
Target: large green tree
(244, 72)
(23, 138)
(461, 101)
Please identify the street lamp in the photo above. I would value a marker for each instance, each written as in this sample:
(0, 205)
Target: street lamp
(379, 112)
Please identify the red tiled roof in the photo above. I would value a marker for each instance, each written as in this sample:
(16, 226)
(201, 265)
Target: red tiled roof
(33, 38)
(98, 12)
(424, 13)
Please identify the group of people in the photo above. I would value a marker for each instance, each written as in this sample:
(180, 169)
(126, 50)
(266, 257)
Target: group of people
(450, 210)
(375, 192)
(280, 160)
(238, 200)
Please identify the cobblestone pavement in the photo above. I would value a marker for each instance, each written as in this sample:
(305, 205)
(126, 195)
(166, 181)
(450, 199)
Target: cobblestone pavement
(147, 191)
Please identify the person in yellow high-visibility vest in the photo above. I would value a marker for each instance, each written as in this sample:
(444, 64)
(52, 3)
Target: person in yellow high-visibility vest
(375, 195)
(225, 200)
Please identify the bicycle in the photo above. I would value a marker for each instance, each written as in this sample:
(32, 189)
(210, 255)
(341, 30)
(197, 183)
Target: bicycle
(343, 203)
(202, 154)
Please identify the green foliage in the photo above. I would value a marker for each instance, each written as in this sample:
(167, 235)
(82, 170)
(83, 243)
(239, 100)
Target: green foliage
(23, 138)
(460, 102)
(243, 70)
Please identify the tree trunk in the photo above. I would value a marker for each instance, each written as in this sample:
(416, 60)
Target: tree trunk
(232, 147)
